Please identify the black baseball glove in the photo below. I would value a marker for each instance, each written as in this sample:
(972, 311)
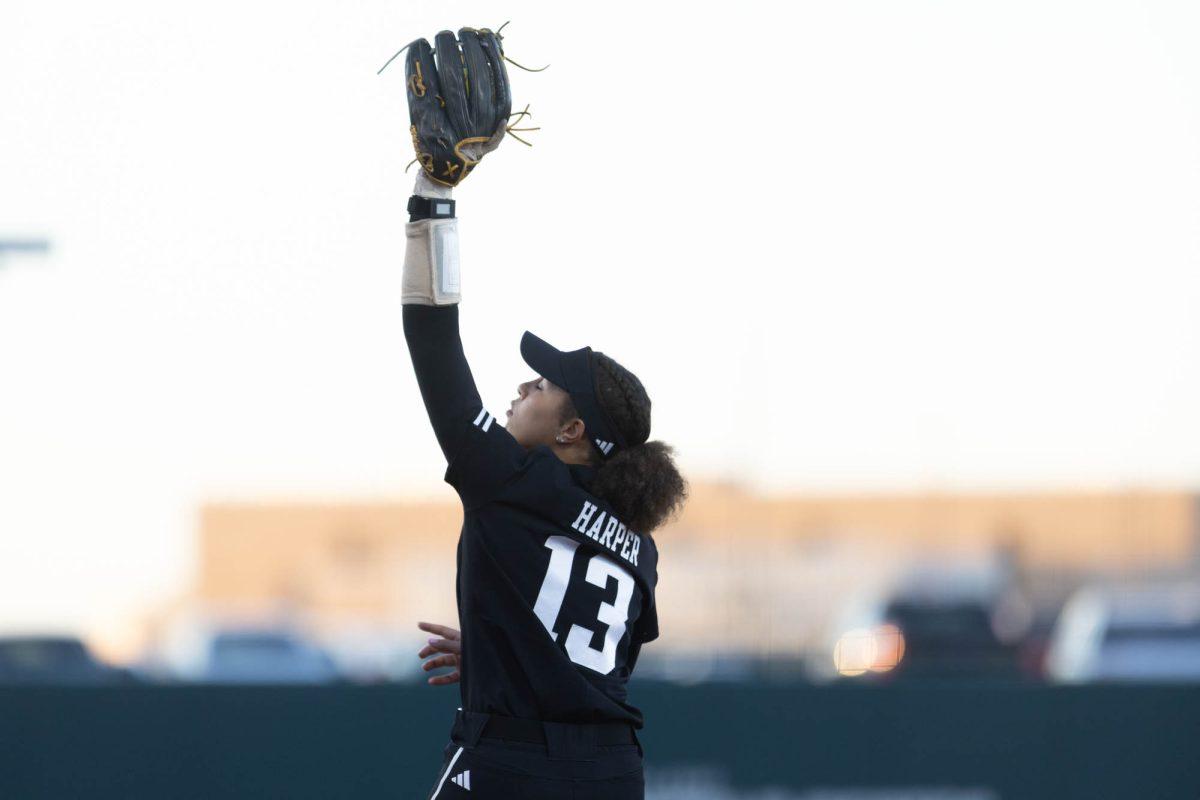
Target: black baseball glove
(459, 105)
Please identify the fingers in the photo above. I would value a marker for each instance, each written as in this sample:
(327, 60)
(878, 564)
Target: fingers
(440, 661)
(440, 646)
(449, 645)
(445, 631)
(443, 680)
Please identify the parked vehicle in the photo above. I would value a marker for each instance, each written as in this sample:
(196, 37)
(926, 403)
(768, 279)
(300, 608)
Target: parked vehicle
(266, 656)
(215, 651)
(54, 659)
(1141, 632)
(944, 619)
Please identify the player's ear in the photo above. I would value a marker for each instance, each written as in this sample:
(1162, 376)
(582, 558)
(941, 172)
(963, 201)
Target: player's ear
(571, 432)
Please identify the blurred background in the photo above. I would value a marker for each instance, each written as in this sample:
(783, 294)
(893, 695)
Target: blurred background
(943, 539)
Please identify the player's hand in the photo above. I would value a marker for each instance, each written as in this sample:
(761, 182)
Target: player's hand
(448, 643)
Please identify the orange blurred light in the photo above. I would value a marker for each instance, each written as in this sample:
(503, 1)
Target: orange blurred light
(864, 650)
(854, 652)
(889, 648)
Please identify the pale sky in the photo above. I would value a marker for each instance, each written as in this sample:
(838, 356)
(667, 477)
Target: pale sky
(846, 246)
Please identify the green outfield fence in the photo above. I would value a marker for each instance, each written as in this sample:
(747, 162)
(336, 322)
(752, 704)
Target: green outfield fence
(985, 741)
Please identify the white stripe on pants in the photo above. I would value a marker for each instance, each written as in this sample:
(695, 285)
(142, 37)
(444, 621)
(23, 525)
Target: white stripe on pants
(438, 790)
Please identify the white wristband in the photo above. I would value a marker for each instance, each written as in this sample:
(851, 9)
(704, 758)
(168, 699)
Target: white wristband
(431, 263)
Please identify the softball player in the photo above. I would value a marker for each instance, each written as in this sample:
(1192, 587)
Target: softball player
(556, 563)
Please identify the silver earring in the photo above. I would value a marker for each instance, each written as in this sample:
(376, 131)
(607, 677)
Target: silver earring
(558, 439)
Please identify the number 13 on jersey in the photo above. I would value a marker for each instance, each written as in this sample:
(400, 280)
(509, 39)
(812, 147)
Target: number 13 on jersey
(614, 615)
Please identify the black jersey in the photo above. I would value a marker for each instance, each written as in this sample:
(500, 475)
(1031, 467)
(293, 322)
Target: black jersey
(555, 592)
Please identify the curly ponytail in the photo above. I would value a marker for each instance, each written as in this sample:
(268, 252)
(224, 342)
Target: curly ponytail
(641, 482)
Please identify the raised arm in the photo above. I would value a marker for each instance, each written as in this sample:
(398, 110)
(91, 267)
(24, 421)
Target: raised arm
(443, 375)
(481, 455)
(458, 114)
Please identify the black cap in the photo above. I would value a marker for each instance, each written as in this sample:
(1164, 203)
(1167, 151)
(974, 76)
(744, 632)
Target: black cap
(575, 373)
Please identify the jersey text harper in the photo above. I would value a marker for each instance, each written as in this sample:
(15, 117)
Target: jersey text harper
(611, 533)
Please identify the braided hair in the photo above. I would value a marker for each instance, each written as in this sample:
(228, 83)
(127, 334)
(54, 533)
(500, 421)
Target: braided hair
(641, 481)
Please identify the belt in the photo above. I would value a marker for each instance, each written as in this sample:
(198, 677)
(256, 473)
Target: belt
(531, 730)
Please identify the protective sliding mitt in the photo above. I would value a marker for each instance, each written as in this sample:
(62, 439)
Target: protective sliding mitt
(459, 104)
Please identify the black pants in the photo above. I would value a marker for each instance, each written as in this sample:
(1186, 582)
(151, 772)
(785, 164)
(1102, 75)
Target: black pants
(565, 767)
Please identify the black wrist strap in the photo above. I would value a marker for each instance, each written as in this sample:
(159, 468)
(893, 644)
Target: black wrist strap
(429, 208)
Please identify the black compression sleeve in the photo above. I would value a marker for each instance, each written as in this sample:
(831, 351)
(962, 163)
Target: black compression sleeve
(445, 379)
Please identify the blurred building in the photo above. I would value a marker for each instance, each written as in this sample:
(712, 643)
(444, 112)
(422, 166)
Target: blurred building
(739, 571)
(336, 563)
(1086, 530)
